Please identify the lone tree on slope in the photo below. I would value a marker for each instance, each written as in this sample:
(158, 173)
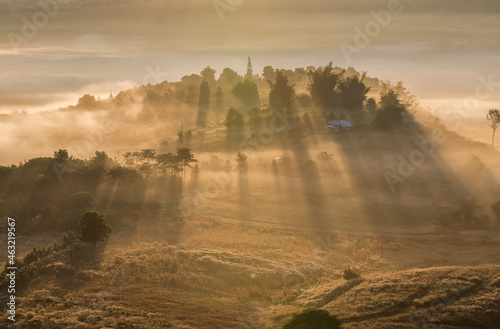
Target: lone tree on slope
(94, 227)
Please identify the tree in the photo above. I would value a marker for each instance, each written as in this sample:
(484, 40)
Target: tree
(390, 112)
(249, 74)
(87, 102)
(229, 77)
(83, 199)
(313, 319)
(352, 92)
(493, 118)
(94, 227)
(147, 155)
(269, 73)
(208, 75)
(300, 74)
(169, 161)
(241, 158)
(61, 156)
(322, 86)
(371, 105)
(203, 103)
(185, 156)
(219, 99)
(101, 159)
(247, 92)
(281, 94)
(233, 120)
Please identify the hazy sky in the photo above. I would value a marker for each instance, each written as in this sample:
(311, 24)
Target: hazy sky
(438, 48)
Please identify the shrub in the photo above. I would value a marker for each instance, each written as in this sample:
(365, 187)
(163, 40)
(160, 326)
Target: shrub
(68, 238)
(313, 319)
(83, 200)
(349, 274)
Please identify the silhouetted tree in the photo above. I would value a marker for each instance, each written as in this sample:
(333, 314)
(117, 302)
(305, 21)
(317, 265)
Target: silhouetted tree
(185, 156)
(169, 161)
(88, 102)
(61, 156)
(208, 75)
(249, 74)
(219, 99)
(390, 112)
(247, 92)
(241, 158)
(281, 94)
(147, 155)
(313, 319)
(94, 227)
(229, 77)
(233, 120)
(322, 87)
(269, 73)
(493, 118)
(352, 92)
(203, 104)
(371, 105)
(300, 74)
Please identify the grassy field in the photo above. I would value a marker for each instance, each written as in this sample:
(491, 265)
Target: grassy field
(217, 273)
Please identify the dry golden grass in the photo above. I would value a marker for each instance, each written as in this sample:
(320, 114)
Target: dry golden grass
(213, 273)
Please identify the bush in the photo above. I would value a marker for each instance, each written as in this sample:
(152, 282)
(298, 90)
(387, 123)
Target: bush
(94, 227)
(453, 219)
(349, 274)
(313, 319)
(83, 200)
(68, 238)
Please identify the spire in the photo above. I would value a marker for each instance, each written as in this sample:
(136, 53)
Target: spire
(110, 94)
(249, 69)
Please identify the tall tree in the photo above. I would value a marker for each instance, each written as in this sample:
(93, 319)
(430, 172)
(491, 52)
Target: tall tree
(249, 74)
(322, 86)
(281, 94)
(203, 104)
(493, 118)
